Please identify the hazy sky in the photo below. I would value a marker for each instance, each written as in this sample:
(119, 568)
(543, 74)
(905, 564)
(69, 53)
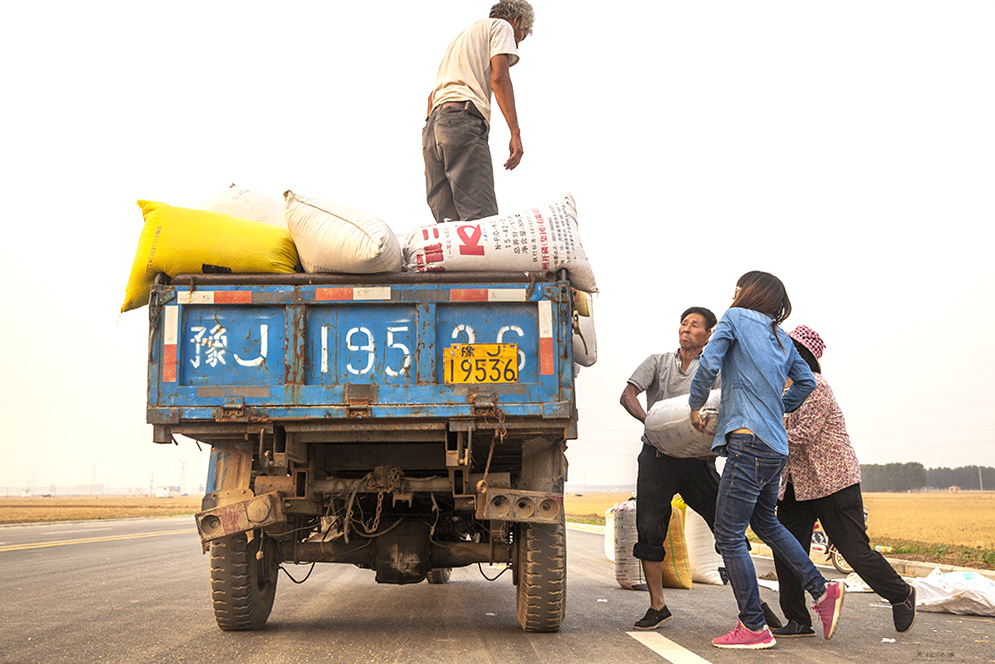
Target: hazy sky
(846, 147)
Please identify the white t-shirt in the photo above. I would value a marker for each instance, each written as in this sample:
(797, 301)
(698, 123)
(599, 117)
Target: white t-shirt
(465, 71)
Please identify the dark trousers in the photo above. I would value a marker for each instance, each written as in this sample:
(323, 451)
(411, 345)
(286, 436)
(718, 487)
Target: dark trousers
(660, 477)
(842, 517)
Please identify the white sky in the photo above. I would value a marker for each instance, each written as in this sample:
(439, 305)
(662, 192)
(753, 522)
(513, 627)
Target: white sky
(846, 147)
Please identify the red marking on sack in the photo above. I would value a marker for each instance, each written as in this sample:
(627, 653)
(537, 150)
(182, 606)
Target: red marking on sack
(424, 233)
(232, 297)
(333, 294)
(546, 356)
(169, 363)
(468, 295)
(471, 240)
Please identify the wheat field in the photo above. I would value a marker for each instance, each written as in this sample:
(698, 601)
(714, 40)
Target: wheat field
(966, 518)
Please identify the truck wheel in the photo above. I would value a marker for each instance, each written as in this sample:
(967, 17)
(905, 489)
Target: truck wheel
(541, 566)
(440, 575)
(243, 584)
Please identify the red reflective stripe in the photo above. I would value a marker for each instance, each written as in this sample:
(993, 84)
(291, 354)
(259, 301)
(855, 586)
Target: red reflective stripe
(332, 294)
(546, 356)
(232, 297)
(169, 363)
(468, 295)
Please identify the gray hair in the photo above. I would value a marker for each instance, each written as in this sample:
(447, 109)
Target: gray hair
(509, 9)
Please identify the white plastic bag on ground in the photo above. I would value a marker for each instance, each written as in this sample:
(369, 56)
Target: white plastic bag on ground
(668, 426)
(963, 593)
(246, 204)
(705, 563)
(542, 238)
(335, 238)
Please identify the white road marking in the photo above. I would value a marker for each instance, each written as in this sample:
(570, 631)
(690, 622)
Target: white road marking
(666, 648)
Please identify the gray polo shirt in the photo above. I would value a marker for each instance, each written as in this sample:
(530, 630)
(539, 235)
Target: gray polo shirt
(660, 377)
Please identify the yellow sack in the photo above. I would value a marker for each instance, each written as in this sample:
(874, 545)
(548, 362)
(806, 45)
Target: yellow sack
(676, 563)
(181, 241)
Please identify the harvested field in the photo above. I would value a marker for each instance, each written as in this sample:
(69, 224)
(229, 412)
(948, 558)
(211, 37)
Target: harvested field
(76, 508)
(938, 527)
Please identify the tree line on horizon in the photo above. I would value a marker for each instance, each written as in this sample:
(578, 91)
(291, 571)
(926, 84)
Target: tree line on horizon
(914, 476)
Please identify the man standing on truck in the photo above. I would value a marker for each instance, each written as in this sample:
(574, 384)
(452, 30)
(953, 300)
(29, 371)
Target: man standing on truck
(664, 376)
(459, 175)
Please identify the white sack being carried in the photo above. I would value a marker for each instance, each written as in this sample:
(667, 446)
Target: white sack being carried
(963, 593)
(705, 563)
(246, 204)
(585, 344)
(335, 238)
(668, 426)
(541, 238)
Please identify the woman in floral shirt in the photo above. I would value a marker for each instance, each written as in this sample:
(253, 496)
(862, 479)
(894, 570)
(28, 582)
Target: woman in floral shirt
(822, 481)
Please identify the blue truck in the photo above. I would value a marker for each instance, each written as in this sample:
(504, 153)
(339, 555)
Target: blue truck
(406, 423)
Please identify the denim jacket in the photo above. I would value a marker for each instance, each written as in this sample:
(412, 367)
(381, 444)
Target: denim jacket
(754, 370)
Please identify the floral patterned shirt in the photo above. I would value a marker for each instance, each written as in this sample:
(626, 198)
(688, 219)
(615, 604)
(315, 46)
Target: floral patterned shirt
(820, 458)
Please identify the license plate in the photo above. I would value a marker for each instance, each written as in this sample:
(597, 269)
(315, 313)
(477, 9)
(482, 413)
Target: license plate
(480, 363)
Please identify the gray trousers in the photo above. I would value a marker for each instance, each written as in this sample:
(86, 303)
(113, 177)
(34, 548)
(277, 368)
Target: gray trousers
(459, 175)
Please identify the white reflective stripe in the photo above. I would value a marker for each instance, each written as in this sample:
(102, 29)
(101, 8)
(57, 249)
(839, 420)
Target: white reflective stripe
(171, 325)
(371, 293)
(195, 297)
(506, 295)
(666, 648)
(545, 318)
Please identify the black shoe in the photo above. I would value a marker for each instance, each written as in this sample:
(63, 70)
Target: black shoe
(653, 618)
(793, 629)
(904, 613)
(772, 620)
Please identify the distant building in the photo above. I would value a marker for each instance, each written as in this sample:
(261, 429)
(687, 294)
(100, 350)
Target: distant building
(163, 492)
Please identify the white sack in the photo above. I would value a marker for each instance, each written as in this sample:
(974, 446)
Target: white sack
(705, 563)
(963, 593)
(246, 204)
(610, 533)
(541, 238)
(668, 426)
(335, 238)
(628, 568)
(585, 344)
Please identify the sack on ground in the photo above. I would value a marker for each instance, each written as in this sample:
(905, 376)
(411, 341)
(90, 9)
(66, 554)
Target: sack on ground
(331, 237)
(246, 204)
(668, 426)
(542, 238)
(585, 344)
(676, 564)
(705, 563)
(178, 240)
(628, 568)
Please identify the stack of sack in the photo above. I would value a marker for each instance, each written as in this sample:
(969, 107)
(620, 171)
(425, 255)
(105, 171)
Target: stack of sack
(240, 231)
(689, 549)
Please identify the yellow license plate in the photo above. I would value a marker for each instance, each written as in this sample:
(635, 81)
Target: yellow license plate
(480, 363)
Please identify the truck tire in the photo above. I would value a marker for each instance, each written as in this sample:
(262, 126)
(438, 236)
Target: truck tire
(242, 585)
(440, 575)
(541, 566)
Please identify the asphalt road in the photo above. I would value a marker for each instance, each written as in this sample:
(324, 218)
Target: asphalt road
(137, 591)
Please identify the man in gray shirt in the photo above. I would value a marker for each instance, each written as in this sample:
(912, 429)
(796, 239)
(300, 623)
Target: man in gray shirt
(664, 376)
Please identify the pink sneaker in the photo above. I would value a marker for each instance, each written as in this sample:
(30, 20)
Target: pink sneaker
(829, 607)
(740, 637)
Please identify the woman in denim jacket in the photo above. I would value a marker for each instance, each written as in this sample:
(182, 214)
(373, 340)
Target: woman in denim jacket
(756, 357)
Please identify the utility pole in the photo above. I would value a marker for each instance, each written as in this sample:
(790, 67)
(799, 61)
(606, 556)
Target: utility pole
(183, 476)
(93, 479)
(981, 484)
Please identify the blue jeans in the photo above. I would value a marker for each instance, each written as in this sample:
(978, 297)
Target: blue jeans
(459, 175)
(748, 497)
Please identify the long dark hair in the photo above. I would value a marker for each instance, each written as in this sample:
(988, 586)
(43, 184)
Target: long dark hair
(763, 292)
